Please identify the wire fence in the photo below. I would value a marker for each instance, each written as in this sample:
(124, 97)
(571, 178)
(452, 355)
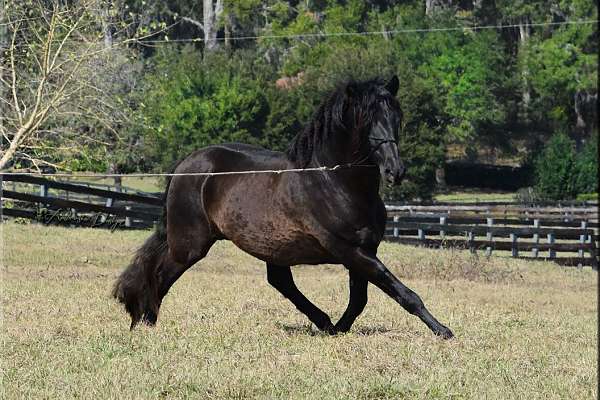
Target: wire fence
(162, 174)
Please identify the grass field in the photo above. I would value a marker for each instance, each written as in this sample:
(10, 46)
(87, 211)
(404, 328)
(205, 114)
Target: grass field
(473, 196)
(524, 330)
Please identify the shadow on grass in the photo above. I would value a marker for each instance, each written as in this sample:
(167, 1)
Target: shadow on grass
(309, 330)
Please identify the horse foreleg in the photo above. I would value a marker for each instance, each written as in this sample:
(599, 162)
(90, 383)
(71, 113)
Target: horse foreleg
(371, 268)
(356, 303)
(281, 279)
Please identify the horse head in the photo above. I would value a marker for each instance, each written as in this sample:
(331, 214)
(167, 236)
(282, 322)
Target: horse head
(376, 117)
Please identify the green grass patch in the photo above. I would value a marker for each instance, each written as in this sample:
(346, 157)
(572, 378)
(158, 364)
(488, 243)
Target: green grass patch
(473, 196)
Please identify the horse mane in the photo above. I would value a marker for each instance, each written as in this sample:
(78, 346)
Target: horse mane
(329, 117)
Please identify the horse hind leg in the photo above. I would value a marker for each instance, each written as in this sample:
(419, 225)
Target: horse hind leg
(144, 283)
(169, 271)
(356, 304)
(136, 287)
(281, 279)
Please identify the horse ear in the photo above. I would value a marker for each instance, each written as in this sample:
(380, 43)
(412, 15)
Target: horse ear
(393, 85)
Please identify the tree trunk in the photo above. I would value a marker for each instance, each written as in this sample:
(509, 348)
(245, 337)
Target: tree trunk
(212, 11)
(585, 105)
(4, 41)
(524, 33)
(433, 6)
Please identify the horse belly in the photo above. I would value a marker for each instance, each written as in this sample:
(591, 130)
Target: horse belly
(272, 238)
(282, 248)
(252, 214)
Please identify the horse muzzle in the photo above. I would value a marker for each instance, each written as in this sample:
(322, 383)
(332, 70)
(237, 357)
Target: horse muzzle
(394, 176)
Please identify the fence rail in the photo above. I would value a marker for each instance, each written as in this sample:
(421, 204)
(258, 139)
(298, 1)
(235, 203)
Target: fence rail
(568, 228)
(109, 209)
(513, 228)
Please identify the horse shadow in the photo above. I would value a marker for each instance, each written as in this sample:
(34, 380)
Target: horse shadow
(309, 330)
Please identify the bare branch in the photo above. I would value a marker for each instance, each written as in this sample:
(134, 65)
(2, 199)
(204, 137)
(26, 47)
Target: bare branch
(193, 22)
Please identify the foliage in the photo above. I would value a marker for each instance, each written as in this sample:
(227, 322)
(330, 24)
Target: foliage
(588, 197)
(561, 173)
(144, 104)
(195, 104)
(586, 168)
(421, 140)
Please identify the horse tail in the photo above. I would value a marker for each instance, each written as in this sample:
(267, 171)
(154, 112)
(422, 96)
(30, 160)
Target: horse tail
(137, 287)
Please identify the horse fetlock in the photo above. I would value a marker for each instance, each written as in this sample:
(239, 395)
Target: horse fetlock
(324, 323)
(444, 332)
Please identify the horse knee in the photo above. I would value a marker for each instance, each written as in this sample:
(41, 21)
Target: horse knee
(412, 303)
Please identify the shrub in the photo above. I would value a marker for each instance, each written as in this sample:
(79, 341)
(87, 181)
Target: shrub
(194, 105)
(586, 168)
(561, 173)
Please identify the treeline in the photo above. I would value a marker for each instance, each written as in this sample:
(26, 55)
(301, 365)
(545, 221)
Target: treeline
(170, 77)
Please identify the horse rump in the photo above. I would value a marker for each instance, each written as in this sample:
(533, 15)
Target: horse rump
(137, 286)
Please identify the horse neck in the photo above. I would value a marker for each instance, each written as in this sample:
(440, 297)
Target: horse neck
(339, 149)
(362, 180)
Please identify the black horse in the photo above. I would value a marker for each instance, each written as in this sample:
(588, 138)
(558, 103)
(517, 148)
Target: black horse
(314, 217)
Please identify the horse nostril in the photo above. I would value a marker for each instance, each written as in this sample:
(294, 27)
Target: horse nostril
(388, 171)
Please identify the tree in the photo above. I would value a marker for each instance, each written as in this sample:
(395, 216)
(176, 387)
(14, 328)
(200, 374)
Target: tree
(564, 79)
(198, 102)
(54, 90)
(562, 173)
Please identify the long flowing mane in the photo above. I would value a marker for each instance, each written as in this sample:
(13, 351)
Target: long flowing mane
(331, 116)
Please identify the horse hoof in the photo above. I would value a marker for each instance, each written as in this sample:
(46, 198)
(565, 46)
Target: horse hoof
(445, 333)
(134, 322)
(150, 318)
(330, 330)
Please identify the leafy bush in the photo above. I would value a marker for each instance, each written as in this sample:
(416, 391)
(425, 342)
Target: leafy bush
(561, 173)
(587, 197)
(195, 104)
(586, 168)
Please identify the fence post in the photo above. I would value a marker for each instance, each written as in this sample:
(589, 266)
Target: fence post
(581, 251)
(74, 218)
(396, 230)
(515, 246)
(536, 238)
(471, 238)
(43, 190)
(421, 235)
(489, 236)
(442, 232)
(551, 251)
(593, 253)
(128, 219)
(109, 203)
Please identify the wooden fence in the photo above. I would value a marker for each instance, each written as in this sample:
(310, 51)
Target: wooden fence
(72, 204)
(521, 230)
(524, 231)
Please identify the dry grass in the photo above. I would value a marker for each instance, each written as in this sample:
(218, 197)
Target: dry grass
(524, 329)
